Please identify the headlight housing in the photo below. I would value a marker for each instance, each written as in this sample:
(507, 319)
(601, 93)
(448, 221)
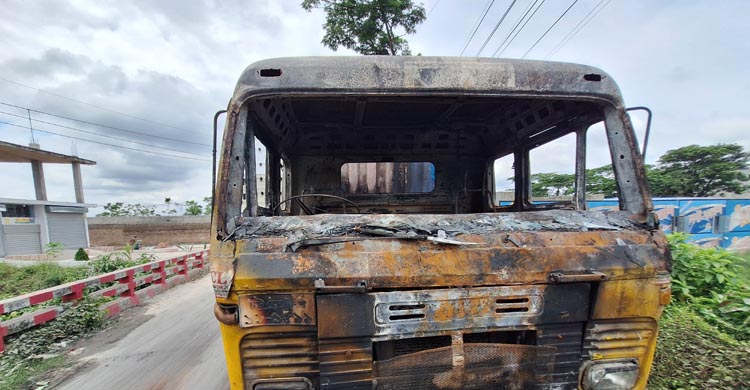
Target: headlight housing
(610, 375)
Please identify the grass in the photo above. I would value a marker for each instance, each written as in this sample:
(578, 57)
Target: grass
(24, 376)
(21, 280)
(692, 354)
(744, 264)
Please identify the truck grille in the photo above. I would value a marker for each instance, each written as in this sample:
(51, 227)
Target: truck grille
(566, 340)
(485, 366)
(280, 355)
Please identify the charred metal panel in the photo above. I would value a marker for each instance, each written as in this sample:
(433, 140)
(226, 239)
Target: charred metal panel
(566, 341)
(290, 352)
(400, 313)
(346, 315)
(346, 363)
(276, 309)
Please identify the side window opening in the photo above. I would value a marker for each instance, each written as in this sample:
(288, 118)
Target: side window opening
(504, 180)
(601, 186)
(552, 171)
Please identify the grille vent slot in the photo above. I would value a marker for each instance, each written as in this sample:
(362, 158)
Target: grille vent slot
(406, 312)
(618, 339)
(504, 305)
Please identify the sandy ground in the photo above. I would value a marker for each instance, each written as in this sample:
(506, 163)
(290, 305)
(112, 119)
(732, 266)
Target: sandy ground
(171, 342)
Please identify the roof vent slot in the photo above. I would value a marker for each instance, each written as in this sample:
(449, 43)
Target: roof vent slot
(270, 72)
(590, 77)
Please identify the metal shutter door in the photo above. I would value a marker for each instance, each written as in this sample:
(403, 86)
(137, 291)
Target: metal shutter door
(2, 244)
(22, 239)
(67, 228)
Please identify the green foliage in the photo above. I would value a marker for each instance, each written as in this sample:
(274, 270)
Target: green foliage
(208, 205)
(601, 181)
(708, 280)
(193, 208)
(700, 171)
(120, 209)
(115, 261)
(81, 255)
(692, 354)
(21, 280)
(552, 184)
(369, 26)
(21, 359)
(52, 249)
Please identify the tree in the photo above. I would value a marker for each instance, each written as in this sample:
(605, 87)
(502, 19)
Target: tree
(601, 181)
(369, 26)
(552, 184)
(700, 171)
(193, 208)
(120, 209)
(209, 205)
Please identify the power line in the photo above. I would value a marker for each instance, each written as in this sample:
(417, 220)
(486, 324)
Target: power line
(105, 126)
(433, 8)
(104, 143)
(479, 23)
(578, 27)
(522, 27)
(98, 134)
(550, 28)
(515, 26)
(89, 104)
(496, 27)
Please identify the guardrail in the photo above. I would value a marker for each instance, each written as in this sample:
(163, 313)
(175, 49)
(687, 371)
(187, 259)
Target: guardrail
(132, 285)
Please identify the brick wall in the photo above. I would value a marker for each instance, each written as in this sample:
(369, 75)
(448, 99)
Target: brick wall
(117, 231)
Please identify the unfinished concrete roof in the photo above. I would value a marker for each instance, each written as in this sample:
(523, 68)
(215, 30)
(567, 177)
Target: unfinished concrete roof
(23, 154)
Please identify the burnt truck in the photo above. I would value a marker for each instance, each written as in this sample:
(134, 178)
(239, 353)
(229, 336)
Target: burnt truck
(358, 240)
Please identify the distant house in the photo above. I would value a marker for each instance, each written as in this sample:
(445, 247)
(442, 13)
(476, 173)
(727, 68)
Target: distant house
(28, 225)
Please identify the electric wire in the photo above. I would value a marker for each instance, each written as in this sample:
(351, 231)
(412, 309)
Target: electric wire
(522, 27)
(515, 26)
(496, 27)
(89, 104)
(573, 32)
(100, 135)
(433, 7)
(102, 125)
(104, 143)
(549, 29)
(479, 23)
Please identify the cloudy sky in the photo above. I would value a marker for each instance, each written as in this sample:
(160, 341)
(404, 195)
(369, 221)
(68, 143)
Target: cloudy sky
(156, 71)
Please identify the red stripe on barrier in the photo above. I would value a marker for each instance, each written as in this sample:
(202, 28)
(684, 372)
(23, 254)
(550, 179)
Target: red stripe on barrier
(107, 278)
(45, 316)
(39, 298)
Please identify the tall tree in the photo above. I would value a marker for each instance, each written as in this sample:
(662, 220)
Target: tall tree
(700, 171)
(369, 26)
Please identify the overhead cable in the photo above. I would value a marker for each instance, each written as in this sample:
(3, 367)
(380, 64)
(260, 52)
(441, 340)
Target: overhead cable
(550, 28)
(478, 23)
(496, 27)
(99, 134)
(104, 143)
(102, 125)
(89, 104)
(522, 27)
(575, 30)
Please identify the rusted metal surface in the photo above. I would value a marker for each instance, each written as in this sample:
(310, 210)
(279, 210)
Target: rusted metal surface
(277, 309)
(432, 288)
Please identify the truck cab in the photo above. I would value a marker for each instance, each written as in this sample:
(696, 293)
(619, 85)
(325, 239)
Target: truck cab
(359, 240)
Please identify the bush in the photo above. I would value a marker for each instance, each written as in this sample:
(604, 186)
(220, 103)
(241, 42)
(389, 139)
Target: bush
(710, 281)
(692, 354)
(81, 255)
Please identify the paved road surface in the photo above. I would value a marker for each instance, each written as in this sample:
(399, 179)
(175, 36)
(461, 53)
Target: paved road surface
(172, 342)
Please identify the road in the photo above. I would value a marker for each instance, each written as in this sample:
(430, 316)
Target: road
(172, 342)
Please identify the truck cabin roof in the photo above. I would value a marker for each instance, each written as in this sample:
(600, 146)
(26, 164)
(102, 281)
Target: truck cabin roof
(407, 107)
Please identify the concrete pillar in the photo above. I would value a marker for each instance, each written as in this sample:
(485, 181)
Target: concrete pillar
(39, 187)
(77, 183)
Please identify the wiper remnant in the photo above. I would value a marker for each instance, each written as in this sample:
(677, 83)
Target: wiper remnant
(377, 233)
